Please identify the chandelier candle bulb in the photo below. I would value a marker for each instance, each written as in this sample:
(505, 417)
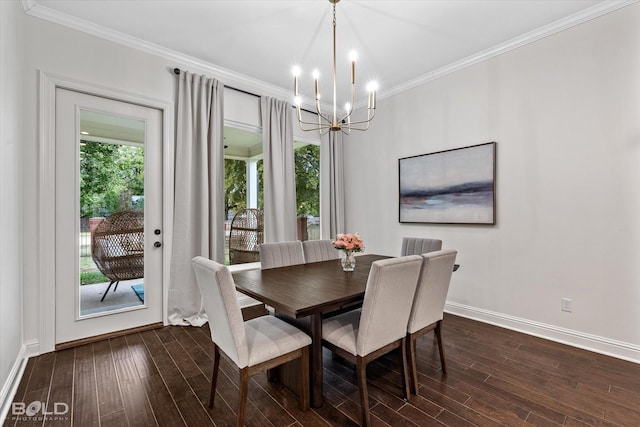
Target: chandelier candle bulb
(352, 56)
(296, 72)
(316, 76)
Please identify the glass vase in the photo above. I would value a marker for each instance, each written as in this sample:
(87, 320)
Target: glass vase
(348, 261)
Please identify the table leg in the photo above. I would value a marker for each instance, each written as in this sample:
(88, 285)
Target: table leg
(317, 399)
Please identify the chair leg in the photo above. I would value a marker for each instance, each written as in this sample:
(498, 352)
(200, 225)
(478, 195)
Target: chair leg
(405, 370)
(304, 379)
(244, 390)
(413, 369)
(214, 376)
(109, 287)
(438, 333)
(361, 370)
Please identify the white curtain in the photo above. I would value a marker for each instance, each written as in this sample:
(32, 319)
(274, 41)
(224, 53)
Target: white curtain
(198, 222)
(333, 156)
(278, 172)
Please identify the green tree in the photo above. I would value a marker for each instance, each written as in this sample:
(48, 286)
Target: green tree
(307, 170)
(109, 175)
(307, 161)
(235, 185)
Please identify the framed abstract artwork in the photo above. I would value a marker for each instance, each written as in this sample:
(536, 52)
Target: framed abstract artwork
(449, 187)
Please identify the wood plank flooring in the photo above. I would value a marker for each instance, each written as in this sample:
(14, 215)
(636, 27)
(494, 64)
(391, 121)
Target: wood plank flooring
(496, 377)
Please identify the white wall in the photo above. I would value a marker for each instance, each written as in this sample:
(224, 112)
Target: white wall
(11, 209)
(565, 112)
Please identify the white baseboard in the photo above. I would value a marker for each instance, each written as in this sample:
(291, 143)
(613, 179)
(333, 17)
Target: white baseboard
(32, 348)
(10, 386)
(597, 344)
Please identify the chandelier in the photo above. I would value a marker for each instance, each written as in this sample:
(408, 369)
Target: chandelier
(335, 122)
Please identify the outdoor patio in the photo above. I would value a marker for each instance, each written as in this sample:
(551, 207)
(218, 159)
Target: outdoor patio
(123, 297)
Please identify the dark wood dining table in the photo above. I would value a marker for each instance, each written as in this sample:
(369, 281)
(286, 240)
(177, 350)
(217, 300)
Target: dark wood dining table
(306, 292)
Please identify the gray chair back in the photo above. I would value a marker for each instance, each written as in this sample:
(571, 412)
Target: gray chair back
(221, 304)
(388, 298)
(419, 246)
(281, 254)
(433, 286)
(319, 250)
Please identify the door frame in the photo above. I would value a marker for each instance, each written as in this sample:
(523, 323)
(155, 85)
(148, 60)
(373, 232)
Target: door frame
(48, 83)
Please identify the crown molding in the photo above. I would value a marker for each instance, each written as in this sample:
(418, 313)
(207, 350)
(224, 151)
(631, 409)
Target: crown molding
(257, 86)
(555, 27)
(28, 4)
(228, 77)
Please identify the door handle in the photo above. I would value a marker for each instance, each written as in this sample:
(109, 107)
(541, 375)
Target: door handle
(157, 244)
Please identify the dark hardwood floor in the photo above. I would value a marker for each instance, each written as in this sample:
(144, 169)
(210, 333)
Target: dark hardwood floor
(496, 377)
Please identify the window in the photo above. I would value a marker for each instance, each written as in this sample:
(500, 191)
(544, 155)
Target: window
(243, 183)
(244, 190)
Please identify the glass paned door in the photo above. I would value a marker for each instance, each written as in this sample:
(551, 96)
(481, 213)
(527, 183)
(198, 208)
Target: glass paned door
(108, 216)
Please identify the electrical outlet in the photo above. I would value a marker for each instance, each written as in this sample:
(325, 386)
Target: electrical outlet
(566, 304)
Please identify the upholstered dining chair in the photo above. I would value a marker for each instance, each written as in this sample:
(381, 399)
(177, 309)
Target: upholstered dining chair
(360, 336)
(319, 250)
(255, 345)
(428, 305)
(419, 246)
(281, 254)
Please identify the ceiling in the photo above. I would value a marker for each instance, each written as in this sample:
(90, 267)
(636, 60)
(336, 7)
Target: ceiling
(253, 44)
(400, 43)
(109, 128)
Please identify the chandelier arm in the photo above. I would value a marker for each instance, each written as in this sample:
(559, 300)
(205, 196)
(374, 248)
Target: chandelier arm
(361, 129)
(319, 112)
(316, 127)
(347, 116)
(325, 118)
(369, 120)
(299, 114)
(353, 95)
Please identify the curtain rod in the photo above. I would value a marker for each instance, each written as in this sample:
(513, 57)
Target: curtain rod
(176, 71)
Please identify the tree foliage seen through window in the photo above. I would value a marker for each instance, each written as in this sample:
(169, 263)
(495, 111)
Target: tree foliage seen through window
(110, 177)
(307, 170)
(307, 160)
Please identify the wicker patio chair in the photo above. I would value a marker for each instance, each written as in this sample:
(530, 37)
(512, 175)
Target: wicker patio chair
(117, 247)
(245, 236)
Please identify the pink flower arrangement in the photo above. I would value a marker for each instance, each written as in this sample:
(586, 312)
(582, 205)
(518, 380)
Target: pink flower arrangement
(349, 242)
